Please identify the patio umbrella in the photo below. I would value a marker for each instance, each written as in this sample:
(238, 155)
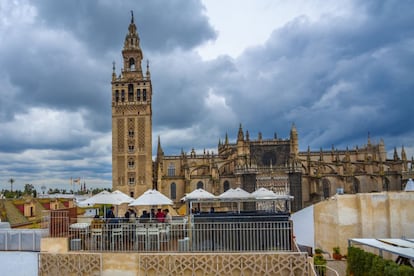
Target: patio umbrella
(151, 198)
(122, 196)
(105, 197)
(236, 195)
(263, 193)
(199, 194)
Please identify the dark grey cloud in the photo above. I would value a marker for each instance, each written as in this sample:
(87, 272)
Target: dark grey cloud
(162, 25)
(337, 78)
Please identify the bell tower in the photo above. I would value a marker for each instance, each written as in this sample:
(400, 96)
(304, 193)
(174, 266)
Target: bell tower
(132, 120)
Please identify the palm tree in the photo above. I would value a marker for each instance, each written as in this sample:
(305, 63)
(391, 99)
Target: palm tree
(11, 180)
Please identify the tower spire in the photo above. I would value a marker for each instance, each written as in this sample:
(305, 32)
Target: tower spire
(132, 17)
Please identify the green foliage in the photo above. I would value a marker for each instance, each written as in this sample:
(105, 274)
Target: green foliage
(336, 250)
(365, 263)
(318, 251)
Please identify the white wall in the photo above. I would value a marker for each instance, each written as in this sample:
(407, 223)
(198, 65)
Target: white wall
(303, 227)
(19, 263)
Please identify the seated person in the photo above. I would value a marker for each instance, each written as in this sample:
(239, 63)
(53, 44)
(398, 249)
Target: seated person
(145, 217)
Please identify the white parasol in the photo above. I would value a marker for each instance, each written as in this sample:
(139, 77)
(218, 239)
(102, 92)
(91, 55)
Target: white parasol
(199, 194)
(263, 193)
(122, 196)
(150, 198)
(234, 194)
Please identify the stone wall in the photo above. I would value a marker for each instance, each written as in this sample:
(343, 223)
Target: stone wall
(263, 263)
(370, 215)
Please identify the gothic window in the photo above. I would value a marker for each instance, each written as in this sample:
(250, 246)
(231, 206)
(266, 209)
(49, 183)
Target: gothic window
(131, 64)
(326, 188)
(122, 96)
(144, 94)
(173, 191)
(356, 185)
(200, 185)
(131, 134)
(138, 95)
(131, 180)
(131, 164)
(131, 194)
(131, 148)
(171, 170)
(386, 184)
(226, 186)
(130, 92)
(116, 95)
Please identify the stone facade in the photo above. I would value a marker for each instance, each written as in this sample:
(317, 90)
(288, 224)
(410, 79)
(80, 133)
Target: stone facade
(275, 163)
(364, 215)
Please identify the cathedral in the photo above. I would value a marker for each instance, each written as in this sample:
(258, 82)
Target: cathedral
(250, 163)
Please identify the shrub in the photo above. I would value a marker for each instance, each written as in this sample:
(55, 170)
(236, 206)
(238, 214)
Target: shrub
(365, 263)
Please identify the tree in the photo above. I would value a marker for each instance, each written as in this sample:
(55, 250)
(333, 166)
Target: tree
(29, 189)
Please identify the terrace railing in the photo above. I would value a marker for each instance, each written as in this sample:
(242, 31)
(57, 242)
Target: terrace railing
(196, 234)
(21, 239)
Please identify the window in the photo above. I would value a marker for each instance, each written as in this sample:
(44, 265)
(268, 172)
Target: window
(138, 95)
(131, 194)
(122, 96)
(131, 148)
(131, 133)
(131, 181)
(144, 94)
(173, 191)
(200, 185)
(116, 95)
(171, 170)
(226, 185)
(130, 92)
(131, 164)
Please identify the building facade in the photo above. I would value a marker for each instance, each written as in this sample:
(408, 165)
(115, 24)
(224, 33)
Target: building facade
(275, 163)
(132, 120)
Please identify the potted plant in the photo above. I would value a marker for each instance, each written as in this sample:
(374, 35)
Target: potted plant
(336, 253)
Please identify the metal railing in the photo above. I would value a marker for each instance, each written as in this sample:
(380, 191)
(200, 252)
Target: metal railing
(323, 270)
(224, 234)
(21, 239)
(181, 236)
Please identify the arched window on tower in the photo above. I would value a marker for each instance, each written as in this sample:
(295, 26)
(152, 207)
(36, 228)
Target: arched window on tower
(122, 96)
(130, 92)
(200, 185)
(173, 191)
(144, 94)
(131, 64)
(226, 186)
(116, 96)
(138, 95)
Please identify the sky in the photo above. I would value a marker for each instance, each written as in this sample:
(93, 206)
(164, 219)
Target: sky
(338, 70)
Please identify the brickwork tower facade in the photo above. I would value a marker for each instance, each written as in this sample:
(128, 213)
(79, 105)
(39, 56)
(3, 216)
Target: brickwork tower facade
(132, 120)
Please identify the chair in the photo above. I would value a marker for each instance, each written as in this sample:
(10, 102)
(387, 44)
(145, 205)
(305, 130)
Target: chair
(96, 238)
(164, 234)
(153, 237)
(116, 238)
(140, 236)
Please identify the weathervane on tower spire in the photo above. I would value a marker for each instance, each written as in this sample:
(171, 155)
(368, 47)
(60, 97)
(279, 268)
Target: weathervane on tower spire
(132, 16)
